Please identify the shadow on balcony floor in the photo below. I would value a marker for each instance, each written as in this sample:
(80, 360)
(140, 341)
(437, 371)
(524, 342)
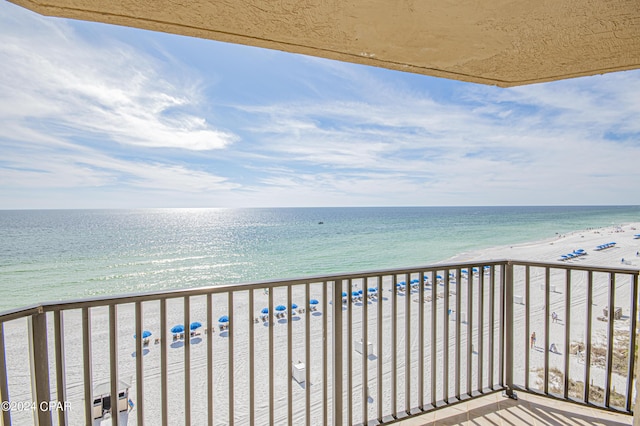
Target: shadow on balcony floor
(529, 409)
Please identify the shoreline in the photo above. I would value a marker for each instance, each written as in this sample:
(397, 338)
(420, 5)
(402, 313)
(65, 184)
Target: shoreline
(549, 249)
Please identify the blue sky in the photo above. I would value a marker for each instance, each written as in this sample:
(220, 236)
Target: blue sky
(99, 116)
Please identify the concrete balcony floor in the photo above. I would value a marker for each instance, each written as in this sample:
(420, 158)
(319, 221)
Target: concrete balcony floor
(529, 409)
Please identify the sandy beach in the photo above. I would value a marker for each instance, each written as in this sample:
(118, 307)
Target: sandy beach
(407, 306)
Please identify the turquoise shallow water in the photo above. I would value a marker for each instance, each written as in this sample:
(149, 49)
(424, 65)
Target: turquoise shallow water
(49, 255)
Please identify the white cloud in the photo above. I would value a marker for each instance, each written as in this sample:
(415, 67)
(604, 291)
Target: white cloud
(55, 81)
(543, 144)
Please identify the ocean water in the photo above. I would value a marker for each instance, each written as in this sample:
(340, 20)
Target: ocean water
(52, 255)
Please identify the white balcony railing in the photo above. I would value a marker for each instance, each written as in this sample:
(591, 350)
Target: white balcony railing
(396, 343)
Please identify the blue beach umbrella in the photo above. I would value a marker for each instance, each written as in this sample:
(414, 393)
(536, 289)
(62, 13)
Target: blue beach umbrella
(402, 283)
(344, 294)
(145, 334)
(355, 294)
(177, 328)
(439, 277)
(265, 310)
(281, 308)
(313, 302)
(195, 325)
(223, 318)
(294, 306)
(372, 289)
(360, 292)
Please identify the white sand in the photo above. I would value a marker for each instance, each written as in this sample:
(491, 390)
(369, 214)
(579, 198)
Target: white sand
(550, 250)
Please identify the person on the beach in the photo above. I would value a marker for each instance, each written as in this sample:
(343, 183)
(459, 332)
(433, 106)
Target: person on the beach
(554, 317)
(533, 339)
(553, 348)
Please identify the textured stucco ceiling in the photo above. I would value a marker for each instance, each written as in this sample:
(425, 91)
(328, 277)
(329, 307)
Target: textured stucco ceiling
(501, 42)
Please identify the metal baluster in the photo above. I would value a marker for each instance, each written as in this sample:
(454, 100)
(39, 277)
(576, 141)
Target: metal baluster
(365, 350)
(164, 388)
(567, 332)
(187, 361)
(272, 407)
(394, 346)
(289, 363)
(492, 323)
(587, 347)
(421, 326)
(139, 364)
(230, 328)
(633, 315)
(113, 358)
(481, 332)
(501, 324)
(379, 330)
(252, 389)
(209, 333)
(407, 345)
(337, 353)
(307, 369)
(547, 289)
(325, 387)
(445, 341)
(458, 334)
(508, 331)
(611, 319)
(434, 345)
(527, 313)
(350, 352)
(469, 327)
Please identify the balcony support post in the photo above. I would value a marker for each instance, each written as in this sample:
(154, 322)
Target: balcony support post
(508, 331)
(40, 389)
(5, 415)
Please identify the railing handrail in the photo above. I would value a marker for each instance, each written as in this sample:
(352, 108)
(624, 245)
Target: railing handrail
(577, 267)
